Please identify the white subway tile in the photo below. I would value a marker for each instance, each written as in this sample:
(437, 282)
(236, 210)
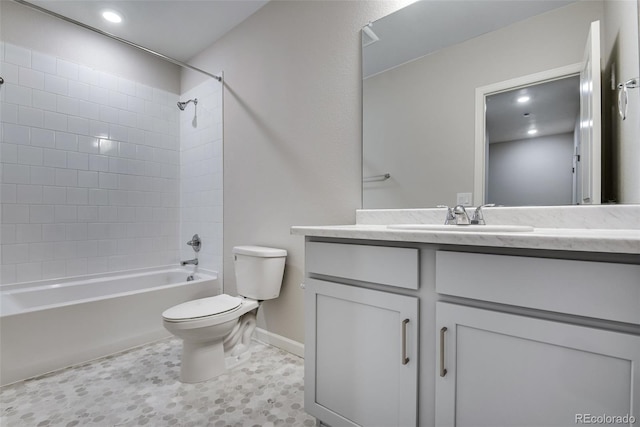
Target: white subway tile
(108, 114)
(65, 213)
(15, 134)
(135, 104)
(87, 248)
(42, 62)
(31, 78)
(56, 84)
(98, 230)
(77, 196)
(67, 69)
(29, 194)
(108, 147)
(15, 174)
(55, 121)
(8, 234)
(42, 251)
(97, 265)
(64, 250)
(88, 144)
(144, 152)
(54, 195)
(88, 179)
(108, 81)
(79, 90)
(28, 272)
(107, 247)
(77, 232)
(78, 125)
(127, 150)
(107, 214)
(88, 110)
(42, 175)
(118, 133)
(126, 214)
(87, 213)
(108, 180)
(43, 138)
(98, 163)
(98, 129)
(55, 158)
(8, 153)
(29, 155)
(9, 113)
(128, 119)
(66, 178)
(76, 267)
(44, 100)
(66, 141)
(54, 232)
(54, 269)
(29, 116)
(143, 91)
(88, 75)
(10, 72)
(41, 214)
(98, 197)
(8, 193)
(28, 233)
(15, 214)
(17, 55)
(67, 105)
(118, 198)
(78, 161)
(20, 95)
(136, 136)
(117, 165)
(117, 100)
(126, 86)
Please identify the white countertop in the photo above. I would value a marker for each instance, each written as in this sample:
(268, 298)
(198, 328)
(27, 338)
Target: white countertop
(566, 239)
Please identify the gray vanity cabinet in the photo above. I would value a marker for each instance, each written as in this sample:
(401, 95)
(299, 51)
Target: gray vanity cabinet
(516, 365)
(361, 346)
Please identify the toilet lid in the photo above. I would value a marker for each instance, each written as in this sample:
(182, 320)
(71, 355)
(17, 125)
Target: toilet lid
(202, 307)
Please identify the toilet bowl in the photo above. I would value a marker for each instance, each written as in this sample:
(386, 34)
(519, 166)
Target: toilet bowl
(216, 330)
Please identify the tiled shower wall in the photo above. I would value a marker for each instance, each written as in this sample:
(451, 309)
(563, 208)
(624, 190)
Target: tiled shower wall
(201, 174)
(90, 170)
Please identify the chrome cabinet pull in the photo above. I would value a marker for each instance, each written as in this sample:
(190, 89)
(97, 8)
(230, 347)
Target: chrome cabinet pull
(405, 359)
(443, 371)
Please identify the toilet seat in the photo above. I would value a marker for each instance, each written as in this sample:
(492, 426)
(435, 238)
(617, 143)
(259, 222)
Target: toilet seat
(202, 308)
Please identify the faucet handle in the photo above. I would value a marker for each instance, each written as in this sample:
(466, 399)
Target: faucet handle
(451, 218)
(195, 243)
(478, 217)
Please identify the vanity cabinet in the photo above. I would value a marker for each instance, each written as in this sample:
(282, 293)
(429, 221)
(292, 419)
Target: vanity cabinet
(361, 347)
(501, 369)
(534, 361)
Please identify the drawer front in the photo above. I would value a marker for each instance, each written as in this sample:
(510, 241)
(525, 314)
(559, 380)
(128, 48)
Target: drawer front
(594, 289)
(375, 264)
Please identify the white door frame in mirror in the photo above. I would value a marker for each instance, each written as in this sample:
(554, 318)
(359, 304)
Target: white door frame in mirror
(481, 148)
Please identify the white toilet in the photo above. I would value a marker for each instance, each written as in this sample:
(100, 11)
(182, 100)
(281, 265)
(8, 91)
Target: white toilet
(216, 331)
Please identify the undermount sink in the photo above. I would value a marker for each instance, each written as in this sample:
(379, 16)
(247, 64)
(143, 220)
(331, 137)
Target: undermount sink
(471, 228)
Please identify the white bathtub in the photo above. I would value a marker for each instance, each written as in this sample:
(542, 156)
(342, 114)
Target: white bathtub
(52, 324)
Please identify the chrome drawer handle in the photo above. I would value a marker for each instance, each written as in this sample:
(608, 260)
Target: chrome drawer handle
(405, 359)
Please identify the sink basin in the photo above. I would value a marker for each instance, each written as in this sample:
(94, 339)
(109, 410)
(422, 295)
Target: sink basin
(471, 228)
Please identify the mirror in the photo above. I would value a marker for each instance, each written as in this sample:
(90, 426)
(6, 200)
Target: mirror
(424, 65)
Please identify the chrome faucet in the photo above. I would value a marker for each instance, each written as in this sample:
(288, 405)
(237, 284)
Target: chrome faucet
(478, 217)
(195, 244)
(190, 261)
(461, 216)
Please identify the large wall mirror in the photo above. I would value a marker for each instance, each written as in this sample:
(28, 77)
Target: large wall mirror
(512, 102)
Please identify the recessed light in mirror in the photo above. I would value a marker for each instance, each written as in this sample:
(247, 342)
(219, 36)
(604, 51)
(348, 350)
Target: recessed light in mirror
(523, 99)
(112, 16)
(532, 131)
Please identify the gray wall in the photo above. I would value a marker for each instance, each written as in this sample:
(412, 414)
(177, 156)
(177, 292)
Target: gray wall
(292, 132)
(532, 171)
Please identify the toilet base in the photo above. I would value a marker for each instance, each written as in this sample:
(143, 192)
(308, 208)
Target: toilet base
(201, 361)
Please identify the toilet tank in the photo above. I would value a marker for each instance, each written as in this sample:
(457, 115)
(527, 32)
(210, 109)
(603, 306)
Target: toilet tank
(259, 271)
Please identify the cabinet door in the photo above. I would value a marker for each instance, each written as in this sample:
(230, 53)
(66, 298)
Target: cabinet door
(361, 356)
(509, 370)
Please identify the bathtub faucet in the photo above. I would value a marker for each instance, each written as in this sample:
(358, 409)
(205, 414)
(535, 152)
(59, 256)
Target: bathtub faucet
(190, 261)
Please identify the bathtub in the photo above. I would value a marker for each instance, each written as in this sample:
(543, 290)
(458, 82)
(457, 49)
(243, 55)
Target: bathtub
(52, 324)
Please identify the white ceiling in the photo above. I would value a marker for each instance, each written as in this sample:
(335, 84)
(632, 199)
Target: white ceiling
(553, 108)
(176, 28)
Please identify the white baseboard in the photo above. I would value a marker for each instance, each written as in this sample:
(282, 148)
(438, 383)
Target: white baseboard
(286, 344)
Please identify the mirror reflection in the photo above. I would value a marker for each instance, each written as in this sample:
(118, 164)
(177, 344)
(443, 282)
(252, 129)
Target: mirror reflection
(424, 65)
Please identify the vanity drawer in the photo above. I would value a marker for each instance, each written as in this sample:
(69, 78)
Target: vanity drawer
(375, 264)
(585, 288)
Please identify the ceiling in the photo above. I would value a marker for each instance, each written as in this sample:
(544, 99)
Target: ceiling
(553, 108)
(179, 29)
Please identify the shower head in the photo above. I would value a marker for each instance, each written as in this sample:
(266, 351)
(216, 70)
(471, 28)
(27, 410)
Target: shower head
(183, 105)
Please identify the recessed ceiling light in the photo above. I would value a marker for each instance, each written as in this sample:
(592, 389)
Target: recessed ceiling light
(532, 131)
(523, 99)
(112, 16)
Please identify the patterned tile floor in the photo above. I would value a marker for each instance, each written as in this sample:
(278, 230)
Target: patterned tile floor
(141, 387)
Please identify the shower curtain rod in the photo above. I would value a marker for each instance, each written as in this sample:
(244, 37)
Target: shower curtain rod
(114, 37)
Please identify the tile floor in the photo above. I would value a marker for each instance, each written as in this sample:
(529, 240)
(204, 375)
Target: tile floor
(141, 387)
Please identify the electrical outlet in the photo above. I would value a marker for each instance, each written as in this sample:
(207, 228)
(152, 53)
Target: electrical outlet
(463, 199)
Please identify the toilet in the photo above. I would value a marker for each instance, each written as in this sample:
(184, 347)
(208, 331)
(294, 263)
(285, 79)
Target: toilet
(216, 331)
